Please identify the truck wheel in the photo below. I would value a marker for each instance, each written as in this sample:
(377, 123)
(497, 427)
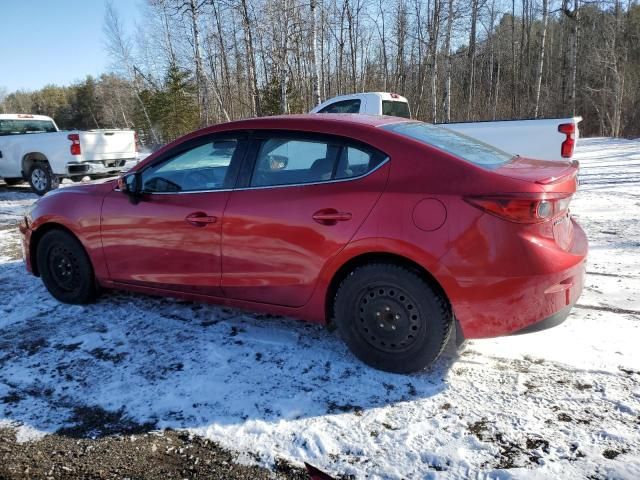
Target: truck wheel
(42, 179)
(391, 318)
(13, 181)
(65, 268)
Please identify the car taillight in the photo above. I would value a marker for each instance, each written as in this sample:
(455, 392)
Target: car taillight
(569, 129)
(75, 143)
(523, 208)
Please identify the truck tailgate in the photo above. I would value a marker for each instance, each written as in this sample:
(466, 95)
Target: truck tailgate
(528, 138)
(107, 144)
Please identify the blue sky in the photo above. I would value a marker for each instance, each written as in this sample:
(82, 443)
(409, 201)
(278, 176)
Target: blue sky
(50, 41)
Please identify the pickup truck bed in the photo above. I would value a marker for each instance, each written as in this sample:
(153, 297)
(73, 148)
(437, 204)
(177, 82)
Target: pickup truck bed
(545, 139)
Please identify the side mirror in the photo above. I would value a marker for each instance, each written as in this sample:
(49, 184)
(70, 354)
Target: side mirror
(130, 185)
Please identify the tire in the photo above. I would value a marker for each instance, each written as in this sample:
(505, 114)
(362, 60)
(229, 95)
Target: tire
(42, 179)
(13, 181)
(391, 318)
(65, 268)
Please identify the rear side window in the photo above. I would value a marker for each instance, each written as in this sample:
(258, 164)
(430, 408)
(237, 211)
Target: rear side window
(345, 106)
(19, 127)
(395, 109)
(462, 146)
(282, 161)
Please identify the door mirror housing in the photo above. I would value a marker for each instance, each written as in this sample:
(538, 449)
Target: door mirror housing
(130, 185)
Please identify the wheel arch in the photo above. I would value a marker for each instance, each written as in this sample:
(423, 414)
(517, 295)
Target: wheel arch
(377, 257)
(30, 159)
(37, 235)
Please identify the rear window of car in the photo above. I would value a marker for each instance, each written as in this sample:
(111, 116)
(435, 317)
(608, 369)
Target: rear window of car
(462, 146)
(19, 127)
(395, 108)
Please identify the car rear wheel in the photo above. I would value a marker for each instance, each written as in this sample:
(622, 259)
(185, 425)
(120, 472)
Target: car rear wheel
(42, 179)
(391, 318)
(65, 268)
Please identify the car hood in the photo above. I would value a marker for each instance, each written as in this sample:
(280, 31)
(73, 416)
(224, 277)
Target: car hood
(95, 186)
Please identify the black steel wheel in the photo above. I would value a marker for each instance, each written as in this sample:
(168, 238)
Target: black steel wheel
(391, 318)
(65, 268)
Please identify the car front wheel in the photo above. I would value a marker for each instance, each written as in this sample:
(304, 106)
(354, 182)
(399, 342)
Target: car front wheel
(391, 318)
(65, 268)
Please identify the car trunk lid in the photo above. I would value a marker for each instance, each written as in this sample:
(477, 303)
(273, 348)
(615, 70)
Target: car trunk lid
(553, 176)
(547, 212)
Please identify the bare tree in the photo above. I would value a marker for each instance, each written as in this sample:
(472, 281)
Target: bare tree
(543, 36)
(119, 47)
(315, 76)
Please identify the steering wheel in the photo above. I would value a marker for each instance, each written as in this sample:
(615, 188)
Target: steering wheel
(195, 180)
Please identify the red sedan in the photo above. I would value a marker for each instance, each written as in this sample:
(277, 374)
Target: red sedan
(393, 231)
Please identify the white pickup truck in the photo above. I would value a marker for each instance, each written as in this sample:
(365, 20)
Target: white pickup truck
(33, 149)
(544, 139)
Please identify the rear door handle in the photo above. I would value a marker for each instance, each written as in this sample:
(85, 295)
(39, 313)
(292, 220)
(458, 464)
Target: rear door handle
(331, 216)
(200, 219)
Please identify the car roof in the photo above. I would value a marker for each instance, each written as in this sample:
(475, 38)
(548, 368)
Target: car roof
(308, 120)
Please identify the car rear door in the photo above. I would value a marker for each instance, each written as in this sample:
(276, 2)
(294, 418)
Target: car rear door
(170, 238)
(300, 199)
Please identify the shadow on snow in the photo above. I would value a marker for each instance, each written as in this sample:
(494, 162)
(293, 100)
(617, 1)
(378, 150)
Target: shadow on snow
(133, 363)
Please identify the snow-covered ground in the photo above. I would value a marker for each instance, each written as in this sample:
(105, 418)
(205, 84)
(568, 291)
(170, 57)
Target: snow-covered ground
(563, 403)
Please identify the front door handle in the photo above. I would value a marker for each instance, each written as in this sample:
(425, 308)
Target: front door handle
(330, 216)
(200, 219)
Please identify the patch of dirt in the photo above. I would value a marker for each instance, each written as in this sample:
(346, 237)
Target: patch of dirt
(153, 455)
(611, 454)
(334, 407)
(479, 428)
(92, 422)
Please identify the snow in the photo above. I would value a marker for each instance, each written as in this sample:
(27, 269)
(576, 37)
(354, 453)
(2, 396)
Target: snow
(543, 405)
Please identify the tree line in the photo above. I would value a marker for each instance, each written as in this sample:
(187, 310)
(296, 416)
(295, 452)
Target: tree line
(193, 63)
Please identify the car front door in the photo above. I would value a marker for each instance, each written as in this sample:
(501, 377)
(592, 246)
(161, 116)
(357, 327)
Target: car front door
(169, 238)
(301, 198)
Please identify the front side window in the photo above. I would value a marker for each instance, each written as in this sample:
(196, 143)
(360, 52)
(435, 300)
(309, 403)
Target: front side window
(19, 127)
(204, 167)
(462, 146)
(345, 106)
(283, 161)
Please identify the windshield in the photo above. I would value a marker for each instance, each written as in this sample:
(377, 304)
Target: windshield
(395, 108)
(462, 146)
(18, 127)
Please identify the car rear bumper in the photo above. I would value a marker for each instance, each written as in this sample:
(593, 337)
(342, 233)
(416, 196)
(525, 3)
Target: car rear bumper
(494, 306)
(100, 167)
(549, 322)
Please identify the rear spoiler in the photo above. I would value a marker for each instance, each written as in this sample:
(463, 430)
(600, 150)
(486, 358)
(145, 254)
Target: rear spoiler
(568, 174)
